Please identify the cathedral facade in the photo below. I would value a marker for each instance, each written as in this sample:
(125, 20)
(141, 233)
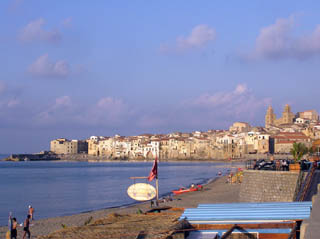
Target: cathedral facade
(286, 118)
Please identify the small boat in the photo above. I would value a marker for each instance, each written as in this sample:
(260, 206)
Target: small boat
(186, 190)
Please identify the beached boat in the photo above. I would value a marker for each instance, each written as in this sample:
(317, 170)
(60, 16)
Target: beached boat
(186, 190)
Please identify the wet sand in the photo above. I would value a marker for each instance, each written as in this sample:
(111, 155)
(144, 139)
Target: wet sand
(217, 191)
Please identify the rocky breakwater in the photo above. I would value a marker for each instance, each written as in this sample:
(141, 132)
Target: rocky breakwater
(42, 156)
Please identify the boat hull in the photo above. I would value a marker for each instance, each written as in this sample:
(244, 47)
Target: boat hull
(186, 190)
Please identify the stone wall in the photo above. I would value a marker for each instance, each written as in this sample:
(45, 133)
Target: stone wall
(268, 186)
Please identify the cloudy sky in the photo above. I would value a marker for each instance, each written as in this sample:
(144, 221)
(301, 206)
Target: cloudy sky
(79, 68)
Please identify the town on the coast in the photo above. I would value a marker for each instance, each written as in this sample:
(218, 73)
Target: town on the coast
(241, 141)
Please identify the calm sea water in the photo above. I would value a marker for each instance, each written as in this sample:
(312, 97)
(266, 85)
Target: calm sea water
(65, 188)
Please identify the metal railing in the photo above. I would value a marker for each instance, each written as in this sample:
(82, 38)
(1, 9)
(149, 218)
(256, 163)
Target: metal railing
(306, 184)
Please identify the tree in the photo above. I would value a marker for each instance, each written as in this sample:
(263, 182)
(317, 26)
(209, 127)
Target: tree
(298, 150)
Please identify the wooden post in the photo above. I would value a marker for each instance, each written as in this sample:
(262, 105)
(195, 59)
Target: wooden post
(157, 183)
(157, 188)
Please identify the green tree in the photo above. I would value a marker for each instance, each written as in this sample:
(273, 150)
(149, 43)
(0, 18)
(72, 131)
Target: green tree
(298, 150)
(311, 151)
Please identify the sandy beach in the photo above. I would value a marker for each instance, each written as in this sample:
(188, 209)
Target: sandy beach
(217, 191)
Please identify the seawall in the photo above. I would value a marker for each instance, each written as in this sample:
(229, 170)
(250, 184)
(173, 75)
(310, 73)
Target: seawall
(269, 186)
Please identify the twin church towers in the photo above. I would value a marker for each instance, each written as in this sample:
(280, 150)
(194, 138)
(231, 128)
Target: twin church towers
(287, 117)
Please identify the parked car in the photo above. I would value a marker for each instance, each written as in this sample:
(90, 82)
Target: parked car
(265, 165)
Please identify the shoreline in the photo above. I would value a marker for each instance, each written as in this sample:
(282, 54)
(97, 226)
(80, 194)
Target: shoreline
(216, 191)
(241, 161)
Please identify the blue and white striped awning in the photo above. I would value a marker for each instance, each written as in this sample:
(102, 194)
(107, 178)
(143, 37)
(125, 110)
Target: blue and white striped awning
(248, 212)
(265, 220)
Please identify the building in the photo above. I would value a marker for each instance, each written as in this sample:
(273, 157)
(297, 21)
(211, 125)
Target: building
(286, 118)
(151, 149)
(302, 121)
(310, 115)
(281, 143)
(240, 127)
(257, 142)
(65, 146)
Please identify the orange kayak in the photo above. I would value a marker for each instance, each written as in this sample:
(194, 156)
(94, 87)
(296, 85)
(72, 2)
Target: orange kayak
(186, 190)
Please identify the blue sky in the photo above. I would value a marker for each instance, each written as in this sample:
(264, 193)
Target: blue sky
(79, 68)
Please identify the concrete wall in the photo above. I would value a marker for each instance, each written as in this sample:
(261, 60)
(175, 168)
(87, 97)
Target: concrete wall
(268, 186)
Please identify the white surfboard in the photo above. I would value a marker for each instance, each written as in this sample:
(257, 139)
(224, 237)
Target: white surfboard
(141, 191)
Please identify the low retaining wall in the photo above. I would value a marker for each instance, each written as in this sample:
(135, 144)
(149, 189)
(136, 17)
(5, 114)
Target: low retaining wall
(268, 186)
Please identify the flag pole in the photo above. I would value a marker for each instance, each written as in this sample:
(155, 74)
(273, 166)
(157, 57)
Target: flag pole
(157, 182)
(157, 189)
(154, 174)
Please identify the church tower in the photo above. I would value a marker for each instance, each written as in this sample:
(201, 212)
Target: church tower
(270, 117)
(287, 115)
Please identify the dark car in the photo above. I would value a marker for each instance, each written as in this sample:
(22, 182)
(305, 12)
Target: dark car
(265, 165)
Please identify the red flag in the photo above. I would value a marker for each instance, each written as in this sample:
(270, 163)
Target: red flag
(154, 171)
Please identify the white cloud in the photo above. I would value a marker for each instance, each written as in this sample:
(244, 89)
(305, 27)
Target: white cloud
(219, 109)
(238, 103)
(309, 45)
(198, 38)
(220, 98)
(34, 32)
(8, 99)
(200, 35)
(277, 41)
(64, 101)
(108, 103)
(240, 89)
(274, 40)
(109, 110)
(45, 68)
(60, 110)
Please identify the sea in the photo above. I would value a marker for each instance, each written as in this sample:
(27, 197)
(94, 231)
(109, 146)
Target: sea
(64, 188)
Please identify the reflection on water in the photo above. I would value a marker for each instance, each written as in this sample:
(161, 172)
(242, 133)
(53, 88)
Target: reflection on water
(64, 188)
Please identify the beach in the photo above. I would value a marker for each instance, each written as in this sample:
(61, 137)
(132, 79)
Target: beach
(217, 191)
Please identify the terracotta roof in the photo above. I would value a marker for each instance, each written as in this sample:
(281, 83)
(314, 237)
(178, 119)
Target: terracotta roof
(285, 142)
(164, 139)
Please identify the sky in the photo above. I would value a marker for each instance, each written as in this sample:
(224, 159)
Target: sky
(74, 69)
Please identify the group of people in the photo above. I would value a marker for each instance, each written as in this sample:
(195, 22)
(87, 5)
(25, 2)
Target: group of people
(282, 165)
(13, 224)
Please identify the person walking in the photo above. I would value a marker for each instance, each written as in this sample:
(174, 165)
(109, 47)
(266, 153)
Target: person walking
(26, 226)
(31, 212)
(14, 229)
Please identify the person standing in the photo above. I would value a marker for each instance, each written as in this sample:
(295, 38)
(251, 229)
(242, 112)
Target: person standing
(31, 212)
(8, 234)
(26, 226)
(14, 229)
